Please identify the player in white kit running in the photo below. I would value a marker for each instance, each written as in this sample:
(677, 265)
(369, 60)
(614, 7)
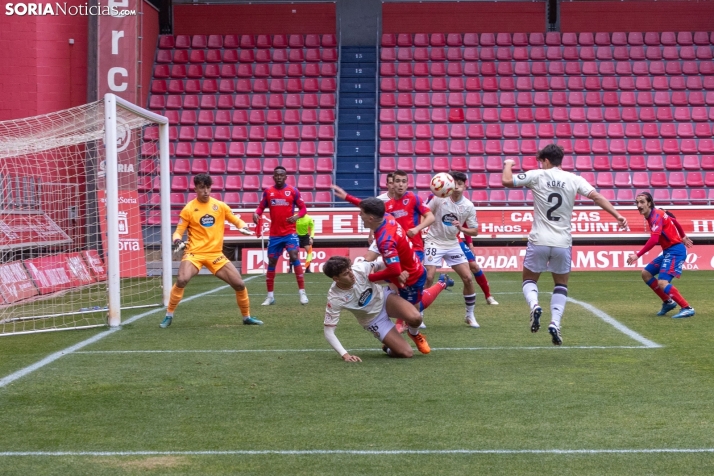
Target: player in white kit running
(442, 242)
(372, 304)
(550, 241)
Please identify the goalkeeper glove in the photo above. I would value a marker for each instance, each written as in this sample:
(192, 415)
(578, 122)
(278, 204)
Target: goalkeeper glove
(179, 246)
(245, 231)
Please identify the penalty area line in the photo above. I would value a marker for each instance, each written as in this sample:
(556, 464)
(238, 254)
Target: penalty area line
(5, 381)
(264, 351)
(617, 324)
(359, 452)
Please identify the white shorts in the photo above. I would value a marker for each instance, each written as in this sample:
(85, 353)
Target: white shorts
(541, 258)
(434, 255)
(381, 325)
(373, 247)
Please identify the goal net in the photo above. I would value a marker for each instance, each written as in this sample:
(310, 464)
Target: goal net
(84, 211)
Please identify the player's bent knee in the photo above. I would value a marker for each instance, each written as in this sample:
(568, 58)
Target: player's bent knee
(406, 353)
(181, 282)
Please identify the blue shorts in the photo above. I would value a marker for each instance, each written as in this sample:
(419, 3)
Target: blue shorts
(669, 264)
(420, 255)
(413, 293)
(276, 245)
(467, 252)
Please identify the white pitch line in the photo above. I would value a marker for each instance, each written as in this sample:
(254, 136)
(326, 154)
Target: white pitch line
(70, 350)
(617, 325)
(262, 351)
(358, 452)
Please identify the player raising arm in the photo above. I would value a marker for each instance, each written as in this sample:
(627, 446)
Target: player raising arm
(204, 217)
(282, 200)
(372, 304)
(666, 231)
(550, 241)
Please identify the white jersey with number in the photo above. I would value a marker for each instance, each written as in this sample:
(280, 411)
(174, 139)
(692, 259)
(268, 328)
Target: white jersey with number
(384, 197)
(365, 299)
(554, 192)
(442, 234)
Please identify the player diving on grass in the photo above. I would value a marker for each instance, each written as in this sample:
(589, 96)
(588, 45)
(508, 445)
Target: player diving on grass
(204, 218)
(371, 303)
(666, 231)
(397, 252)
(441, 241)
(282, 199)
(550, 242)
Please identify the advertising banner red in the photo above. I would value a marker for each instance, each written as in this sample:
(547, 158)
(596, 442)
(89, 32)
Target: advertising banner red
(503, 223)
(131, 241)
(96, 265)
(25, 229)
(58, 272)
(117, 58)
(15, 284)
(504, 258)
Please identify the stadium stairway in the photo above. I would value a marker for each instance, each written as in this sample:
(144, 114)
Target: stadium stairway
(356, 131)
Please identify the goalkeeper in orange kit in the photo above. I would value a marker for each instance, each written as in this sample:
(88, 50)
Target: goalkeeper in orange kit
(204, 218)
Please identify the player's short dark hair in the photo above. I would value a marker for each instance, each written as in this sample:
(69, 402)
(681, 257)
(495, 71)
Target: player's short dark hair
(336, 265)
(648, 197)
(390, 175)
(373, 206)
(202, 179)
(280, 167)
(460, 176)
(554, 153)
(400, 173)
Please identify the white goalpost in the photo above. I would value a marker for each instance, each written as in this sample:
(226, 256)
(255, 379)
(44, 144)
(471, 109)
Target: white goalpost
(85, 219)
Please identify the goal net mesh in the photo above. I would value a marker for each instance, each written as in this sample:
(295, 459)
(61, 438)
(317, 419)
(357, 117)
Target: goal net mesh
(53, 241)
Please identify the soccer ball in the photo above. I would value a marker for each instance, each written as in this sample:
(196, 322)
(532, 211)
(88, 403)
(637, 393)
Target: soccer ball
(442, 184)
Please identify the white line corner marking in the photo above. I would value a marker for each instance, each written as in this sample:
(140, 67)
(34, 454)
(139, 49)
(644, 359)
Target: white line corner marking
(69, 350)
(616, 324)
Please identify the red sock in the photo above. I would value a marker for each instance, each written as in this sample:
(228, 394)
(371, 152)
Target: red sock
(429, 295)
(299, 275)
(483, 283)
(270, 280)
(658, 291)
(674, 294)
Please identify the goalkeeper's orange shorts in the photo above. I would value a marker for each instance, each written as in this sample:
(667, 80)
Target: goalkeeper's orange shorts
(212, 261)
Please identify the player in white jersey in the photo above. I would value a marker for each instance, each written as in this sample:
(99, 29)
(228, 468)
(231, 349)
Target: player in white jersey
(442, 240)
(372, 304)
(373, 252)
(550, 241)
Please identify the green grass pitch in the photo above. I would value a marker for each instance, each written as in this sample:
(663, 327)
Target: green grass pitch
(211, 396)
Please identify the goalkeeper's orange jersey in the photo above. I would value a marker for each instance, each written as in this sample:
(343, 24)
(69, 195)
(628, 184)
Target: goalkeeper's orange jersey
(206, 224)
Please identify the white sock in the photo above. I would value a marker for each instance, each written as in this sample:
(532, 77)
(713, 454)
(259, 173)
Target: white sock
(413, 330)
(557, 303)
(270, 294)
(302, 291)
(530, 292)
(470, 301)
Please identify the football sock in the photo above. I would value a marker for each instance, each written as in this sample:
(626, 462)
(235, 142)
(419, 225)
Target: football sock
(557, 302)
(482, 282)
(652, 283)
(176, 296)
(299, 274)
(429, 295)
(470, 301)
(270, 280)
(308, 259)
(674, 293)
(413, 330)
(243, 302)
(530, 292)
(270, 294)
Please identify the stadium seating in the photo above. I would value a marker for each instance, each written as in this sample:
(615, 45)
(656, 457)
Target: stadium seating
(635, 108)
(243, 104)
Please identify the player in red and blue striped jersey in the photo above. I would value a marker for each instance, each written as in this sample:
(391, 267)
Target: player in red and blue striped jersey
(668, 233)
(282, 200)
(408, 209)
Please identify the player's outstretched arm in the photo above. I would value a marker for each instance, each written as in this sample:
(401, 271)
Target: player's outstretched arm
(605, 204)
(335, 343)
(507, 175)
(339, 191)
(428, 220)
